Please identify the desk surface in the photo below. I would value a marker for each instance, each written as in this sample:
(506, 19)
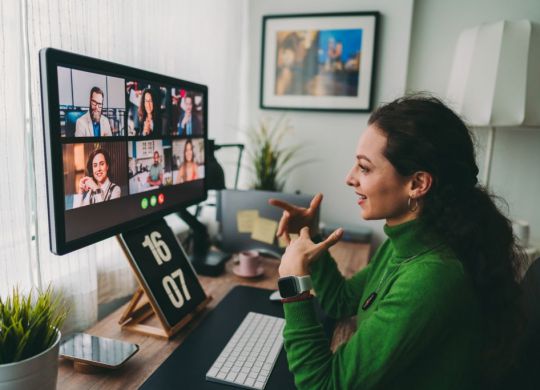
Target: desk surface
(153, 351)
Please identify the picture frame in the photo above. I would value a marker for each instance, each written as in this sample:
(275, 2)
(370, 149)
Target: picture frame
(319, 62)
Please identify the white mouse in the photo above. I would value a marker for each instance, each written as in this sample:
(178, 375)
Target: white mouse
(275, 296)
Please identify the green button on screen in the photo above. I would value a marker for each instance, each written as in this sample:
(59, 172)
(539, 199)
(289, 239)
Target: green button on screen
(144, 203)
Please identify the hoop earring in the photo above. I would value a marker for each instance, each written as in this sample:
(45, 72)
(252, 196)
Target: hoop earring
(412, 209)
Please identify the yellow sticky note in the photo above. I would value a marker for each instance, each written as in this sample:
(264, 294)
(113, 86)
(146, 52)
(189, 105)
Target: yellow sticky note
(264, 230)
(283, 243)
(245, 220)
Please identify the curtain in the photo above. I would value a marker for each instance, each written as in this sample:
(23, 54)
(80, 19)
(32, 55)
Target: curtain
(15, 238)
(197, 41)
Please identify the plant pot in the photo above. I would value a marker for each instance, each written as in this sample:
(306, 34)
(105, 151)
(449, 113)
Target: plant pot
(37, 372)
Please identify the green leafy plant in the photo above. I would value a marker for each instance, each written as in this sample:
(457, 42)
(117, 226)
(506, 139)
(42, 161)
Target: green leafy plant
(271, 162)
(27, 326)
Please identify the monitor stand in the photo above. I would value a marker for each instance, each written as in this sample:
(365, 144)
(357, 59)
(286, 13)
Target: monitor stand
(206, 261)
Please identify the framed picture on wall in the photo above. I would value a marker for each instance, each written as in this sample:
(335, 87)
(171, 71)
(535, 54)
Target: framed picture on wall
(319, 62)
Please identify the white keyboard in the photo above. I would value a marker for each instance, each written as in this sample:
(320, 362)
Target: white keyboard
(249, 356)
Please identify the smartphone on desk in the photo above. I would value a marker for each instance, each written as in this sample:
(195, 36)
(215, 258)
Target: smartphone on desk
(97, 351)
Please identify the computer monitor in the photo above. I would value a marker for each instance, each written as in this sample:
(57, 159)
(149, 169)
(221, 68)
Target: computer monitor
(231, 203)
(123, 146)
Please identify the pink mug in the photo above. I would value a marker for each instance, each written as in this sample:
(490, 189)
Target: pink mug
(249, 263)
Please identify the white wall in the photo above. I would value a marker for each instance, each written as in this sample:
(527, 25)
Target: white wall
(516, 156)
(331, 137)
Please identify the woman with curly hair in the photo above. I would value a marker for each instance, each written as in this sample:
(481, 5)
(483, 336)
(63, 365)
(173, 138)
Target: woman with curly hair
(147, 112)
(438, 305)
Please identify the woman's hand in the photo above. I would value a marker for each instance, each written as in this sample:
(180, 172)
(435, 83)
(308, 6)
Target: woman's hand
(301, 252)
(147, 126)
(295, 218)
(185, 120)
(86, 184)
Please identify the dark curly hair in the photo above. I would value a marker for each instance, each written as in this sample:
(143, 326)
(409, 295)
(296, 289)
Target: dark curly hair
(423, 134)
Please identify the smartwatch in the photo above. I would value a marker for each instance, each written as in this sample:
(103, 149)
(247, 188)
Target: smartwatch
(292, 286)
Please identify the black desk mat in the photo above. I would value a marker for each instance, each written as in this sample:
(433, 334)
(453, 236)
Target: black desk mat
(187, 366)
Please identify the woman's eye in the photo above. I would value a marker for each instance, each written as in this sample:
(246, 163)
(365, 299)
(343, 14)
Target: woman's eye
(363, 168)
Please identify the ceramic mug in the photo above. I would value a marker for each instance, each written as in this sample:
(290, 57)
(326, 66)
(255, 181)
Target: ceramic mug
(249, 263)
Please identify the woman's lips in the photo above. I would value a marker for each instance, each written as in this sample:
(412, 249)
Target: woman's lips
(361, 198)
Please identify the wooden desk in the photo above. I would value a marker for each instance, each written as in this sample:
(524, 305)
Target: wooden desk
(153, 351)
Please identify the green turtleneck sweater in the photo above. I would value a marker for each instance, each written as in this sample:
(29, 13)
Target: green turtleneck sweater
(421, 332)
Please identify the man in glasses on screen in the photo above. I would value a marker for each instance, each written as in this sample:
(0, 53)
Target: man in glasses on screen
(93, 123)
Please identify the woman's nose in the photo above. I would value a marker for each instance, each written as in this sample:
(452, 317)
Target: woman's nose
(350, 179)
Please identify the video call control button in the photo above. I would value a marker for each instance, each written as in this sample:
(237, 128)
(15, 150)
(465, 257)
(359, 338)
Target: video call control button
(144, 203)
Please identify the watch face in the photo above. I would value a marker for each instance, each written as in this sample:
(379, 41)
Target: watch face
(287, 287)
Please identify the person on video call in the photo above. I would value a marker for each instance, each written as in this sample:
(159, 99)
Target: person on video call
(93, 123)
(134, 97)
(147, 116)
(155, 174)
(96, 187)
(438, 306)
(189, 123)
(188, 169)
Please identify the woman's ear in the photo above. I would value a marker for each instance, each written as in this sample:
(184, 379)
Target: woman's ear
(420, 184)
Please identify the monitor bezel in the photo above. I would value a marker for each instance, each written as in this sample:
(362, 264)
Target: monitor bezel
(49, 60)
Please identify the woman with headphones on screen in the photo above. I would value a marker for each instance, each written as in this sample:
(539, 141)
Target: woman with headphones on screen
(437, 307)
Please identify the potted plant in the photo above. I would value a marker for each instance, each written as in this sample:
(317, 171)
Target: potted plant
(29, 340)
(270, 161)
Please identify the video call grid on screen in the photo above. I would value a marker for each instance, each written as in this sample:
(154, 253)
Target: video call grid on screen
(130, 147)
